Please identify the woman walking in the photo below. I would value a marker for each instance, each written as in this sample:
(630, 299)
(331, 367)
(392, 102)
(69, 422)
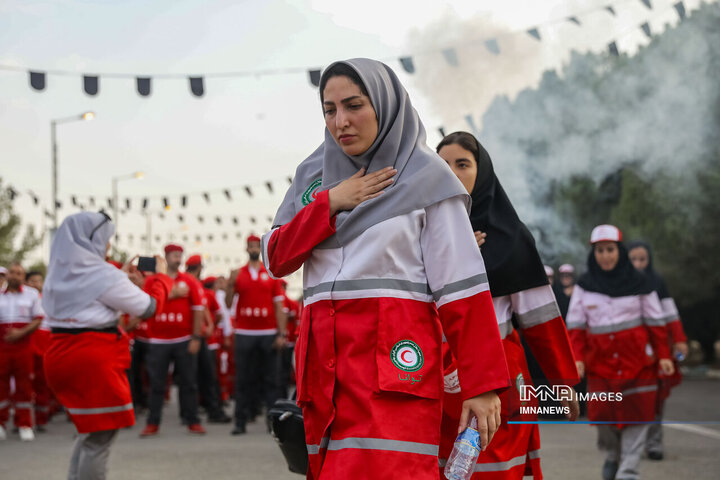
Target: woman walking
(390, 265)
(617, 328)
(88, 356)
(524, 301)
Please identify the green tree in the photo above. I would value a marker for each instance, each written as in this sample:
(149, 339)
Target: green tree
(12, 248)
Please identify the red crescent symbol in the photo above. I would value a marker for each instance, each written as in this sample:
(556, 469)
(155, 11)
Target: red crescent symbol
(314, 193)
(402, 356)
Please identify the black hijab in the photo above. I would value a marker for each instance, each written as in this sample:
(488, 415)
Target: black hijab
(653, 276)
(511, 258)
(622, 281)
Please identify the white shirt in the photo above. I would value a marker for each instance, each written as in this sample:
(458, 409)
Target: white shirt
(20, 307)
(124, 296)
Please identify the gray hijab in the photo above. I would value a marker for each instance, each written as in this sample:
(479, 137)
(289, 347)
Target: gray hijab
(78, 273)
(423, 178)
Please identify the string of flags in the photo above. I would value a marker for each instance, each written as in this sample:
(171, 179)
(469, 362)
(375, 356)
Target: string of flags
(196, 83)
(167, 202)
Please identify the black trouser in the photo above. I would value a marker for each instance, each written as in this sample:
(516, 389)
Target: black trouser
(264, 368)
(138, 365)
(286, 369)
(158, 363)
(207, 381)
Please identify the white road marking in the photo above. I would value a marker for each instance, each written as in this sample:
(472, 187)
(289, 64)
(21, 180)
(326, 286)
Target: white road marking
(706, 432)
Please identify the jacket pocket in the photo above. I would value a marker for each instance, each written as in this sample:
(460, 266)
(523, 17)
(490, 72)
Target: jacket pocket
(408, 353)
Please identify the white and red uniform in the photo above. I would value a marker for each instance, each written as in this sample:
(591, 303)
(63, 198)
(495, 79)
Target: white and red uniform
(174, 324)
(515, 449)
(256, 297)
(292, 312)
(17, 310)
(620, 339)
(369, 354)
(87, 370)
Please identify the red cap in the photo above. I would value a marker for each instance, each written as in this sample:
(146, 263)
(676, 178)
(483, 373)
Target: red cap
(172, 247)
(605, 233)
(566, 268)
(207, 281)
(193, 260)
(253, 238)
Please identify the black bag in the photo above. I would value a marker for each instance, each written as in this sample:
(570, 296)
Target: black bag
(286, 421)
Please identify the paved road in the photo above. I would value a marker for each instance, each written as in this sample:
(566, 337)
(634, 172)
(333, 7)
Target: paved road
(693, 452)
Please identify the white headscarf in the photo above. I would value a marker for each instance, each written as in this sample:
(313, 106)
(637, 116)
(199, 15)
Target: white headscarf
(78, 273)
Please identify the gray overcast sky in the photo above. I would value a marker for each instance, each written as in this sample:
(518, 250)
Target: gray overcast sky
(245, 130)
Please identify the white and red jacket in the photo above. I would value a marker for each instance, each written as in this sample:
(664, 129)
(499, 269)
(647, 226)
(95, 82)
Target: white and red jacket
(620, 340)
(17, 310)
(369, 353)
(257, 294)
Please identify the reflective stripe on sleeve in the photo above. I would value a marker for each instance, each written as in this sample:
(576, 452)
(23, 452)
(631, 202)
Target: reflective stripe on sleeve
(23, 406)
(95, 411)
(460, 285)
(4, 404)
(315, 449)
(538, 315)
(643, 389)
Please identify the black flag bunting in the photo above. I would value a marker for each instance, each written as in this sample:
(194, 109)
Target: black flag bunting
(492, 46)
(269, 186)
(183, 201)
(58, 204)
(535, 33)
(680, 7)
(451, 57)
(238, 235)
(613, 49)
(74, 200)
(314, 77)
(252, 220)
(185, 238)
(235, 220)
(161, 215)
(200, 219)
(224, 236)
(289, 179)
(441, 130)
(574, 20)
(47, 214)
(92, 201)
(127, 203)
(611, 10)
(249, 191)
(647, 3)
(218, 220)
(110, 203)
(12, 193)
(206, 196)
(646, 29)
(196, 86)
(36, 200)
(143, 86)
(181, 219)
(407, 64)
(145, 203)
(166, 203)
(91, 84)
(227, 194)
(37, 80)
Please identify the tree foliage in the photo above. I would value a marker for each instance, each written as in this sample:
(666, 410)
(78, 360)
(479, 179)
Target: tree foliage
(13, 248)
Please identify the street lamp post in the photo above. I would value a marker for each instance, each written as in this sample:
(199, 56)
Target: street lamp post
(53, 139)
(115, 200)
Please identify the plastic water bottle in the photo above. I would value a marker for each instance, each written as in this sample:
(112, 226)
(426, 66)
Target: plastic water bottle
(461, 464)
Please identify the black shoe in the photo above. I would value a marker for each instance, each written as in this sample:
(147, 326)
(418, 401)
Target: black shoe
(657, 456)
(609, 470)
(238, 430)
(40, 428)
(219, 418)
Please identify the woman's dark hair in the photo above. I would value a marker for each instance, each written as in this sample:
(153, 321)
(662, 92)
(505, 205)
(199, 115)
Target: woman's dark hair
(464, 139)
(341, 70)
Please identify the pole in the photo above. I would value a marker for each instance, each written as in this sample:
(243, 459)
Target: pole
(148, 232)
(116, 218)
(53, 140)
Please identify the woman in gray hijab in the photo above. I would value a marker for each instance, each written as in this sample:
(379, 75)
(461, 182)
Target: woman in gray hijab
(86, 362)
(380, 224)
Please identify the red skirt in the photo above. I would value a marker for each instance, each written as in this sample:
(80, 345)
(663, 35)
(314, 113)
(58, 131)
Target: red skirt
(86, 372)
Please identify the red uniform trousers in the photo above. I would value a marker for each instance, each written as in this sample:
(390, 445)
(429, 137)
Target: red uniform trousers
(86, 371)
(43, 395)
(16, 360)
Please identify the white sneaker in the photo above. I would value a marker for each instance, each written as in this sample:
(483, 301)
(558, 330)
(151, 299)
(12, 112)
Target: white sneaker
(3, 433)
(26, 434)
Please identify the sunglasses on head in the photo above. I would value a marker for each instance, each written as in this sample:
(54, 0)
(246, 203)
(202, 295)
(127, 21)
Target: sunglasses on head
(104, 221)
